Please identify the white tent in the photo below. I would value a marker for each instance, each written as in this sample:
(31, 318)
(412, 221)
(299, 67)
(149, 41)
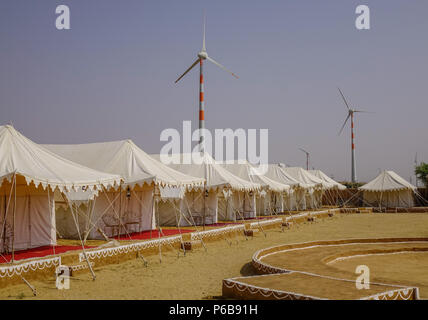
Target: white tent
(227, 196)
(146, 181)
(332, 189)
(293, 200)
(270, 199)
(328, 183)
(389, 190)
(313, 186)
(30, 178)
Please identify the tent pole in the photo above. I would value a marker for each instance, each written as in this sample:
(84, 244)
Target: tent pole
(81, 241)
(194, 223)
(153, 212)
(4, 222)
(159, 231)
(13, 222)
(120, 210)
(6, 211)
(177, 221)
(255, 210)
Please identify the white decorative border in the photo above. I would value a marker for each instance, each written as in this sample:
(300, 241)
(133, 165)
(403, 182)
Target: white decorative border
(265, 292)
(398, 294)
(109, 252)
(402, 293)
(19, 269)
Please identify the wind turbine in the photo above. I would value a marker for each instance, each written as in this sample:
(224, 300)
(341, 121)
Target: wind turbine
(307, 157)
(203, 55)
(351, 115)
(416, 164)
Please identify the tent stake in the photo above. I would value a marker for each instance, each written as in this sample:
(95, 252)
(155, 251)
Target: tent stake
(29, 285)
(139, 255)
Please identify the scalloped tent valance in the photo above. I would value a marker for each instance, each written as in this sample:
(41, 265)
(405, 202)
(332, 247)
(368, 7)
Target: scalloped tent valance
(21, 156)
(202, 165)
(128, 160)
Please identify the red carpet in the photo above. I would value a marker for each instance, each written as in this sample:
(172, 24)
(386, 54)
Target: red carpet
(39, 252)
(44, 251)
(154, 234)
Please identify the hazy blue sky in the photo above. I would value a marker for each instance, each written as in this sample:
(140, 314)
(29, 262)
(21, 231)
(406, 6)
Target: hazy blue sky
(112, 75)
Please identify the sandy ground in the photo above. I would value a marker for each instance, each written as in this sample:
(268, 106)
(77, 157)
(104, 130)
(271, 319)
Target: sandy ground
(199, 275)
(410, 268)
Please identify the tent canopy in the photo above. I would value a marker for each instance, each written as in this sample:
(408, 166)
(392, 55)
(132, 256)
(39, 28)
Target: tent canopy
(387, 181)
(202, 165)
(276, 173)
(127, 159)
(246, 171)
(305, 179)
(328, 182)
(19, 155)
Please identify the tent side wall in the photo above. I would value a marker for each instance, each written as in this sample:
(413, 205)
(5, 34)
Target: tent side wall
(34, 218)
(389, 199)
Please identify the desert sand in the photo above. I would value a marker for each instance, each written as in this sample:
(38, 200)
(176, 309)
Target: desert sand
(199, 274)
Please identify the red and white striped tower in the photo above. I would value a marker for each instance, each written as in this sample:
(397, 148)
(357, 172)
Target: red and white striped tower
(201, 105)
(203, 55)
(351, 112)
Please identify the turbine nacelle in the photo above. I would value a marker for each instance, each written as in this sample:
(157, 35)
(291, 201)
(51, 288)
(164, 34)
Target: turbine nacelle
(203, 55)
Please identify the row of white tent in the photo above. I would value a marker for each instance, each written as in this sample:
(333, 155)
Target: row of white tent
(99, 190)
(92, 190)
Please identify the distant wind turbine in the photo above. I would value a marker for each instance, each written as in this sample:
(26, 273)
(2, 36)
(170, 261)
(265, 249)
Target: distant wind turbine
(416, 164)
(307, 157)
(203, 55)
(351, 112)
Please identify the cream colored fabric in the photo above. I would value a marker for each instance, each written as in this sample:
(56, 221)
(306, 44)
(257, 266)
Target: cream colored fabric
(22, 156)
(34, 222)
(388, 189)
(328, 183)
(216, 176)
(304, 177)
(269, 203)
(196, 208)
(387, 181)
(126, 159)
(296, 199)
(390, 199)
(276, 173)
(245, 170)
(140, 172)
(131, 207)
(312, 186)
(51, 174)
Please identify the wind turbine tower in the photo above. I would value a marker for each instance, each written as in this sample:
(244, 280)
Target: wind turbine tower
(203, 55)
(351, 112)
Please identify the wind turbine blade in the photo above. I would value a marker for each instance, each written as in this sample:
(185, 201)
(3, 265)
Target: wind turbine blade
(221, 66)
(343, 97)
(190, 68)
(303, 150)
(203, 38)
(362, 111)
(346, 120)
